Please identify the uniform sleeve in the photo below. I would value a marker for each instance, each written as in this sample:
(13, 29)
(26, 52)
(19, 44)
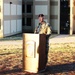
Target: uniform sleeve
(48, 30)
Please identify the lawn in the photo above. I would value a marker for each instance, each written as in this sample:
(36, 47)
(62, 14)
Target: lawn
(61, 61)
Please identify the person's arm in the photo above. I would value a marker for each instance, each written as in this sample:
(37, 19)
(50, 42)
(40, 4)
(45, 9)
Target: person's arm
(48, 29)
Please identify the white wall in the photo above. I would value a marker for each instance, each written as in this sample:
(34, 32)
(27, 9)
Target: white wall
(54, 10)
(7, 27)
(55, 21)
(13, 26)
(12, 18)
(6, 9)
(19, 25)
(19, 10)
(41, 9)
(13, 9)
(54, 24)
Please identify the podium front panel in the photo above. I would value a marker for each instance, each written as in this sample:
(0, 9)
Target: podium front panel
(34, 48)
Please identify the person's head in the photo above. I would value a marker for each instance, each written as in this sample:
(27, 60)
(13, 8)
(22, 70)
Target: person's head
(41, 18)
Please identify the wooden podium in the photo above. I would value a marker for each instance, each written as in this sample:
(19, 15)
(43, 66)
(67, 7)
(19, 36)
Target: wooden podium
(34, 52)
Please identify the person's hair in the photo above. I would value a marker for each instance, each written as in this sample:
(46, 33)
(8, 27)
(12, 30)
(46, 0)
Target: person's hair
(40, 15)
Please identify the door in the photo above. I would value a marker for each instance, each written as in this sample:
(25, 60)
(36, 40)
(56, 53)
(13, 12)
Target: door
(64, 17)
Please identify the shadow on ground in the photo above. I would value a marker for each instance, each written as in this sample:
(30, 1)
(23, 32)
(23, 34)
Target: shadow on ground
(50, 70)
(61, 68)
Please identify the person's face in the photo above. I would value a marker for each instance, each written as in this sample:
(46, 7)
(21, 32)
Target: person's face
(41, 19)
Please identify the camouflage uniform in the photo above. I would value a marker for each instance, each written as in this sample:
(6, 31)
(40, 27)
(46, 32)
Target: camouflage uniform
(44, 28)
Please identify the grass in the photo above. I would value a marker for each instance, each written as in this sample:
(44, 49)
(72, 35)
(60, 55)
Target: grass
(10, 51)
(11, 59)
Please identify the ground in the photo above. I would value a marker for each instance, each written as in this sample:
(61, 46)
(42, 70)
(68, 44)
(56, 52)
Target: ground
(61, 60)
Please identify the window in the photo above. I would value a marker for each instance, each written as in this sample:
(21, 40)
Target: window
(23, 21)
(23, 8)
(29, 21)
(26, 21)
(29, 8)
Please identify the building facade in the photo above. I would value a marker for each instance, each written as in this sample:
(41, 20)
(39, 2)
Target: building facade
(10, 17)
(18, 15)
(59, 13)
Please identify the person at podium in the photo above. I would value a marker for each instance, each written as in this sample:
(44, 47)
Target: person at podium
(43, 28)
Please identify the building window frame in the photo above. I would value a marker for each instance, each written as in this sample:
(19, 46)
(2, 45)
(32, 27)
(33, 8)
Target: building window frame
(23, 21)
(29, 9)
(27, 21)
(23, 8)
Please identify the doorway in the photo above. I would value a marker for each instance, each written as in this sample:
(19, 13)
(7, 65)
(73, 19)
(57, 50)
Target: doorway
(64, 16)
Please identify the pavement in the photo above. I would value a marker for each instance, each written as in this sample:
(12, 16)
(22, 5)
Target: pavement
(11, 42)
(16, 41)
(62, 39)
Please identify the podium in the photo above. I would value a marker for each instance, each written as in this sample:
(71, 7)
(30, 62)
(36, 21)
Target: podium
(34, 52)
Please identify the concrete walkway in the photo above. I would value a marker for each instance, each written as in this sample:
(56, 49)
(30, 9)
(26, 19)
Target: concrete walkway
(18, 40)
(11, 42)
(62, 39)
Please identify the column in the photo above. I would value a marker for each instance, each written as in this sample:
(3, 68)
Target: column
(72, 19)
(1, 18)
